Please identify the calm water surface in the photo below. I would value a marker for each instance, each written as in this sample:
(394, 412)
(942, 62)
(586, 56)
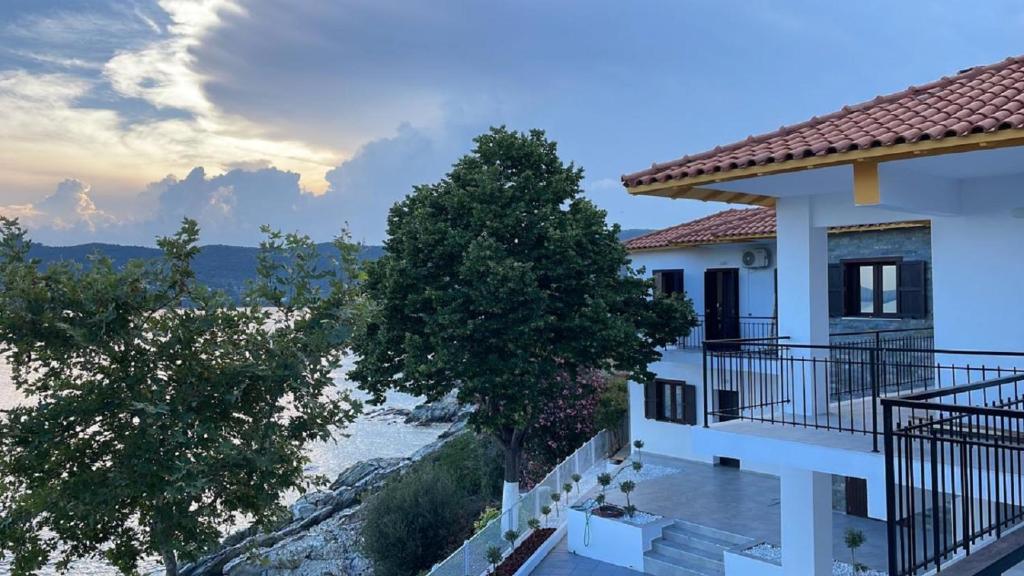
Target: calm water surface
(368, 438)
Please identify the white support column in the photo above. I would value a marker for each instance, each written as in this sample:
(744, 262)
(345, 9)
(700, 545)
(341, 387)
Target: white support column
(803, 297)
(803, 273)
(806, 522)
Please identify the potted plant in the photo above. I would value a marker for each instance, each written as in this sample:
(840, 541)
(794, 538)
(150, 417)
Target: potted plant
(626, 487)
(545, 510)
(567, 488)
(494, 556)
(533, 523)
(555, 497)
(854, 539)
(576, 480)
(511, 536)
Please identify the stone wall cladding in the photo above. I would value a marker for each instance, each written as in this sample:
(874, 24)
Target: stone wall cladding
(906, 243)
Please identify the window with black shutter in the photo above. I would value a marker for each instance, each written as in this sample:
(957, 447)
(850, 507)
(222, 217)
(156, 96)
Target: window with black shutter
(886, 288)
(835, 290)
(670, 401)
(913, 284)
(668, 282)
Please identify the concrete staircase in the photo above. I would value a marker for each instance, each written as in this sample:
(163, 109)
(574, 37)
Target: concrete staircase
(687, 549)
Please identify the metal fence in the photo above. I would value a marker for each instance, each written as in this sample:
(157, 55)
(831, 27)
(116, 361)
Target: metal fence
(954, 464)
(749, 327)
(832, 387)
(470, 559)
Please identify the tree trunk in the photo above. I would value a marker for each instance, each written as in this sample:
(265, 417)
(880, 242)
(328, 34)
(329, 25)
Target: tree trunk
(170, 563)
(512, 442)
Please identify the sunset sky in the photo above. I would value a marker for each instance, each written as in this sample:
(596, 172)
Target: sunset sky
(118, 117)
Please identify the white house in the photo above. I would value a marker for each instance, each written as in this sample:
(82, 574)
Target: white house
(935, 434)
(725, 263)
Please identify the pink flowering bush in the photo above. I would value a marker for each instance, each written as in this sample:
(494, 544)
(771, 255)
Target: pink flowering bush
(565, 423)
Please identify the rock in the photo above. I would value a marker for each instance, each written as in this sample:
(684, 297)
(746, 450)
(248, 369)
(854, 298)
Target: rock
(445, 410)
(388, 414)
(323, 536)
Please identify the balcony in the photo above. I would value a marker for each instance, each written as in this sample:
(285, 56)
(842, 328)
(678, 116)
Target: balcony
(747, 326)
(948, 426)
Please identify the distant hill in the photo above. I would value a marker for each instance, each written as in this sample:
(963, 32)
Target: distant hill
(632, 233)
(222, 267)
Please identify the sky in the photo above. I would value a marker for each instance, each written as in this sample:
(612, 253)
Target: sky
(120, 117)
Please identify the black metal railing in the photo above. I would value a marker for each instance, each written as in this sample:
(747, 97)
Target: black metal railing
(830, 387)
(954, 473)
(905, 353)
(749, 327)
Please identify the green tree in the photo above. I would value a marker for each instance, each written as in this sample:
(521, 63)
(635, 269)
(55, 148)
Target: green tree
(159, 409)
(499, 278)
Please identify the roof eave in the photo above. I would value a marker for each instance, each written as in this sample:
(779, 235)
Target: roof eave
(700, 187)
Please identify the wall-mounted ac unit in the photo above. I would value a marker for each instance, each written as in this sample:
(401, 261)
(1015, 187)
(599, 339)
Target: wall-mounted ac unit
(756, 258)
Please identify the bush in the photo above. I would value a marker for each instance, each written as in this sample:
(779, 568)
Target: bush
(489, 513)
(416, 520)
(564, 424)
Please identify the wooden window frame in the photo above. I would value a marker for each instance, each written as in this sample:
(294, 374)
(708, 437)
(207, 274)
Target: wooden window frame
(682, 410)
(851, 300)
(682, 277)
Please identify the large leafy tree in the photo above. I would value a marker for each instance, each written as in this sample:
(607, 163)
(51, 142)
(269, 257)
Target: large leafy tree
(502, 281)
(159, 410)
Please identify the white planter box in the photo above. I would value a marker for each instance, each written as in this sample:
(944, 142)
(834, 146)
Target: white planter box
(612, 540)
(538, 556)
(739, 564)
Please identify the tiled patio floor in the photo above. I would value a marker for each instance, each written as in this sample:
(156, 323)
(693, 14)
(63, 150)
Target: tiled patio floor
(736, 501)
(560, 562)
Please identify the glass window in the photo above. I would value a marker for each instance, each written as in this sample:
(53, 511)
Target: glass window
(675, 401)
(889, 294)
(867, 290)
(871, 289)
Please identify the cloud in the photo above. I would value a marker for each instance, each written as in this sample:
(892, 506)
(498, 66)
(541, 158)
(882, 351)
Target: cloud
(69, 212)
(121, 118)
(231, 206)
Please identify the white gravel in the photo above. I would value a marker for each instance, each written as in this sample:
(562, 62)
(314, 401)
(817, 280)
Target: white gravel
(774, 554)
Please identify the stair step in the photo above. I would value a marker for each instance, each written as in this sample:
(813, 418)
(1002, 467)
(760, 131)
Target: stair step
(660, 565)
(706, 533)
(694, 542)
(687, 554)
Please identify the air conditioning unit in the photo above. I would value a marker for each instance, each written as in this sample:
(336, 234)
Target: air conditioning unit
(756, 258)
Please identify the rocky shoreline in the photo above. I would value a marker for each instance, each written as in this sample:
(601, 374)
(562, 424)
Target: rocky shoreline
(323, 536)
(445, 410)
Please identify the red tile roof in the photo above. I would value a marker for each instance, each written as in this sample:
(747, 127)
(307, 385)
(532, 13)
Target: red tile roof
(728, 226)
(977, 100)
(737, 225)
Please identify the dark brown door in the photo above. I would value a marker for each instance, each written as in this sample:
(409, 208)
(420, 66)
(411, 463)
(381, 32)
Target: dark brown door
(722, 303)
(857, 497)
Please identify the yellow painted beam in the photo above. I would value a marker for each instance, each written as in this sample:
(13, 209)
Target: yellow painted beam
(951, 145)
(865, 184)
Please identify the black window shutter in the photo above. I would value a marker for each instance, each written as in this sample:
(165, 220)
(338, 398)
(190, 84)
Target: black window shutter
(913, 298)
(651, 400)
(689, 404)
(677, 284)
(835, 290)
(659, 283)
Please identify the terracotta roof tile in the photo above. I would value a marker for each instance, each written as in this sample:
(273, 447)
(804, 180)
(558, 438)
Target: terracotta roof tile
(977, 100)
(737, 225)
(728, 226)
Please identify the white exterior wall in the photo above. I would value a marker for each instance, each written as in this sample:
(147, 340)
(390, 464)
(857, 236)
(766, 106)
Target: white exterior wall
(669, 438)
(977, 270)
(757, 285)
